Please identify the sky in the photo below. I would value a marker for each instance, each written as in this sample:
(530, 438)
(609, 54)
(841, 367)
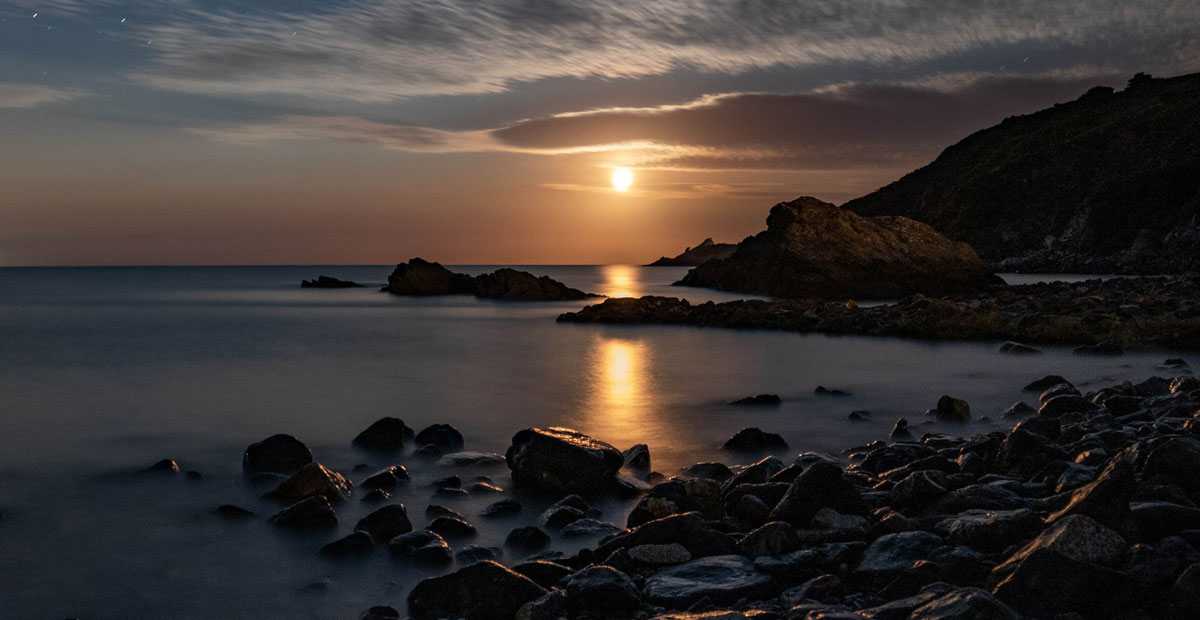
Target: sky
(473, 132)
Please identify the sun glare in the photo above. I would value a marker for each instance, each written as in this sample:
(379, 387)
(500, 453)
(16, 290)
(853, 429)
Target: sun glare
(622, 178)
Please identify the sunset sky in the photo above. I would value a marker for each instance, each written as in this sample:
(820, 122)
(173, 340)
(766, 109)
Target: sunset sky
(364, 132)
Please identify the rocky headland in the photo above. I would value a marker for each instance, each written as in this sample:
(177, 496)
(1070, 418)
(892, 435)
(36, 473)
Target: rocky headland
(1108, 183)
(419, 277)
(690, 257)
(1087, 507)
(814, 249)
(1152, 311)
(328, 282)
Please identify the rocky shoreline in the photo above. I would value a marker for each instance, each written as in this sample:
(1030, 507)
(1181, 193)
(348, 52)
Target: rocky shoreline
(1089, 507)
(1153, 311)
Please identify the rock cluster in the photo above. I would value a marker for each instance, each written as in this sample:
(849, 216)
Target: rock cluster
(814, 249)
(1099, 314)
(419, 277)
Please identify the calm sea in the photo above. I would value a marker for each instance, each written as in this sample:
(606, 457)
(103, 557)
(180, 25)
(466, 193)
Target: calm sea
(106, 370)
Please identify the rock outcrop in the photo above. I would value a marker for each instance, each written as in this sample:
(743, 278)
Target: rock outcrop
(1108, 183)
(814, 249)
(691, 257)
(419, 277)
(328, 282)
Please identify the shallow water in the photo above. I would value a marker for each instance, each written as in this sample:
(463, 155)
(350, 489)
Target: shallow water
(106, 370)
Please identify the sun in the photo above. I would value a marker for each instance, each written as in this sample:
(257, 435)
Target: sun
(622, 178)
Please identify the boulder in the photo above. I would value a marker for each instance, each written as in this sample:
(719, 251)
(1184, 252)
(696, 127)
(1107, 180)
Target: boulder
(312, 514)
(813, 249)
(1106, 500)
(543, 573)
(668, 554)
(990, 529)
(775, 538)
(589, 528)
(602, 591)
(1177, 461)
(471, 554)
(965, 604)
(312, 480)
(562, 460)
(386, 478)
(637, 458)
(722, 579)
(356, 545)
(688, 529)
(527, 539)
(1157, 520)
(278, 454)
(754, 441)
(822, 485)
(443, 436)
(896, 553)
(380, 612)
(502, 508)
(451, 528)
(713, 471)
(385, 523)
(482, 591)
(950, 409)
(1045, 383)
(676, 496)
(421, 547)
(514, 285)
(384, 435)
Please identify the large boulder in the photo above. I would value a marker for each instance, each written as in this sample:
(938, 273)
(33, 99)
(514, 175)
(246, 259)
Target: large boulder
(896, 553)
(482, 591)
(562, 460)
(313, 480)
(312, 514)
(277, 454)
(822, 485)
(722, 579)
(385, 523)
(813, 248)
(1107, 499)
(602, 591)
(386, 434)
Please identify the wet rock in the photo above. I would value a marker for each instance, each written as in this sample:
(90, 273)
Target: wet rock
(481, 591)
(434, 511)
(757, 473)
(602, 591)
(1024, 453)
(589, 528)
(750, 509)
(965, 604)
(312, 514)
(562, 460)
(380, 612)
(770, 400)
(1045, 383)
(230, 512)
(830, 519)
(543, 573)
(421, 547)
(279, 454)
(722, 579)
(754, 441)
(1157, 520)
(900, 431)
(501, 509)
(1184, 596)
(990, 529)
(516, 285)
(1106, 500)
(859, 416)
(376, 496)
(919, 489)
(528, 539)
(894, 553)
(386, 434)
(483, 488)
(950, 409)
(775, 538)
(1018, 410)
(445, 493)
(354, 546)
(472, 460)
(820, 486)
(445, 437)
(637, 458)
(1019, 349)
(676, 496)
(1064, 404)
(312, 480)
(713, 471)
(978, 497)
(449, 527)
(473, 553)
(659, 555)
(386, 478)
(688, 529)
(385, 523)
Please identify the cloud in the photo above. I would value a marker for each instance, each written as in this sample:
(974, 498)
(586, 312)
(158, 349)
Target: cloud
(371, 50)
(16, 95)
(842, 127)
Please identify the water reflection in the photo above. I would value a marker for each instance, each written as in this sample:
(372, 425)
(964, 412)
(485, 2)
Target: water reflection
(621, 406)
(621, 281)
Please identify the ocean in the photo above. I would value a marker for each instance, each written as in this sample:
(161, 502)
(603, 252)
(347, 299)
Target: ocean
(104, 371)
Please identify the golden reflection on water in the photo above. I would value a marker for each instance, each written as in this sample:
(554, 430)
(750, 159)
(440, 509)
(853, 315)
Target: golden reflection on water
(621, 406)
(621, 281)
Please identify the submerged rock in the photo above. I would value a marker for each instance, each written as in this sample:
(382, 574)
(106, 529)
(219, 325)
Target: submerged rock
(562, 460)
(278, 454)
(754, 441)
(482, 591)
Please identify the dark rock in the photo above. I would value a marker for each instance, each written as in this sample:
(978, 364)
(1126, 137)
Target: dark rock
(449, 527)
(754, 441)
(328, 282)
(637, 458)
(900, 432)
(669, 554)
(1019, 349)
(1024, 453)
(1045, 383)
(386, 478)
(481, 591)
(385, 523)
(1062, 389)
(445, 437)
(965, 604)
(814, 249)
(229, 512)
(514, 285)
(706, 251)
(375, 496)
(502, 508)
(312, 480)
(688, 529)
(528, 539)
(428, 452)
(859, 416)
(449, 482)
(990, 529)
(192, 475)
(279, 454)
(1184, 596)
(775, 538)
(978, 497)
(820, 486)
(1064, 404)
(449, 493)
(824, 391)
(473, 553)
(1099, 350)
(472, 460)
(356, 545)
(770, 400)
(484, 488)
(918, 489)
(384, 435)
(589, 528)
(895, 553)
(421, 277)
(602, 591)
(1157, 520)
(543, 573)
(434, 511)
(676, 496)
(380, 612)
(165, 466)
(1018, 410)
(824, 588)
(1106, 500)
(312, 514)
(713, 471)
(1176, 460)
(722, 579)
(421, 547)
(560, 459)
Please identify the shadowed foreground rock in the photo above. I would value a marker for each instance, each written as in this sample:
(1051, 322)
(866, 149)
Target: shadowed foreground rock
(419, 277)
(481, 591)
(1162, 312)
(815, 249)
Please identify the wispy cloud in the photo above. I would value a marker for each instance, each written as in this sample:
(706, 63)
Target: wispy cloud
(16, 95)
(377, 51)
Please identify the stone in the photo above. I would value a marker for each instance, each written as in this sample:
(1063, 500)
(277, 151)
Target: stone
(894, 553)
(722, 579)
(278, 454)
(990, 529)
(1106, 500)
(675, 496)
(483, 488)
(978, 497)
(445, 437)
(589, 528)
(965, 604)
(165, 466)
(754, 441)
(1158, 520)
(1064, 404)
(774, 538)
(450, 527)
(385, 523)
(824, 391)
(376, 496)
(528, 539)
(1018, 410)
(501, 509)
(830, 519)
(950, 409)
(380, 612)
(602, 591)
(712, 471)
(820, 486)
(769, 400)
(312, 480)
(1045, 383)
(421, 547)
(474, 553)
(354, 546)
(900, 431)
(386, 478)
(481, 591)
(688, 529)
(312, 514)
(543, 573)
(386, 434)
(1176, 460)
(562, 460)
(472, 460)
(918, 489)
(659, 555)
(230, 512)
(637, 458)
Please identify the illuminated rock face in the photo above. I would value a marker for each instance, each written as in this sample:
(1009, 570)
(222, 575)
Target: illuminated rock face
(814, 249)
